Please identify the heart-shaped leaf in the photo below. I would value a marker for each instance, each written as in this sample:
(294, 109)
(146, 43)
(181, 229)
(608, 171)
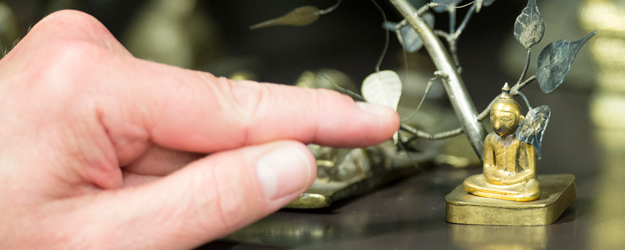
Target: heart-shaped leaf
(554, 62)
(383, 88)
(445, 8)
(532, 128)
(301, 16)
(529, 27)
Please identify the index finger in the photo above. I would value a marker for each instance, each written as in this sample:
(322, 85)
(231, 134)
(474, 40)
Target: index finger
(195, 111)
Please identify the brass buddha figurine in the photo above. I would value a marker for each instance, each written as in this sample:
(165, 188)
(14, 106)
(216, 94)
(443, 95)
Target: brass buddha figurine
(509, 164)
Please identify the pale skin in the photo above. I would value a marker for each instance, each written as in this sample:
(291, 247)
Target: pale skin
(102, 150)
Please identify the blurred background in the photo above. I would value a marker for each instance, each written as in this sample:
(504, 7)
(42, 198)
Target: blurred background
(214, 36)
(586, 134)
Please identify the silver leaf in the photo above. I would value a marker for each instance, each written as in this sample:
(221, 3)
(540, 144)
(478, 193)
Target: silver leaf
(554, 62)
(529, 27)
(532, 128)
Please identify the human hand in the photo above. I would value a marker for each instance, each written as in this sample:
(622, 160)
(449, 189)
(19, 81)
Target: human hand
(102, 150)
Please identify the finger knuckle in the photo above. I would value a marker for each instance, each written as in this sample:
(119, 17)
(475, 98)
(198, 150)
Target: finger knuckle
(68, 20)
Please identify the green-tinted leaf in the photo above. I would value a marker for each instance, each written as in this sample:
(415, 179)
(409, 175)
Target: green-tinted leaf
(532, 128)
(529, 27)
(301, 16)
(554, 62)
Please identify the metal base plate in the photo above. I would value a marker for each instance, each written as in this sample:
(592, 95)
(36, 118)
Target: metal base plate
(558, 192)
(322, 195)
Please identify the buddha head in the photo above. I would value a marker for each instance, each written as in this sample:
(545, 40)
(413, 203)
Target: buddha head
(505, 115)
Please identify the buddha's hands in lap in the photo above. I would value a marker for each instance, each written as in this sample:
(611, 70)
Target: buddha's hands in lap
(500, 177)
(493, 175)
(102, 150)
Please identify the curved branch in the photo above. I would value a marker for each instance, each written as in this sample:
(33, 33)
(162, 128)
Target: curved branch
(386, 42)
(527, 65)
(515, 89)
(466, 19)
(328, 10)
(527, 102)
(454, 85)
(442, 34)
(438, 136)
(486, 111)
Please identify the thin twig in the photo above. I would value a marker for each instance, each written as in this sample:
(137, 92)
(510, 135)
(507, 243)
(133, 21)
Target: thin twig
(452, 19)
(401, 24)
(328, 10)
(403, 48)
(453, 49)
(442, 34)
(486, 111)
(377, 66)
(519, 86)
(527, 65)
(405, 53)
(466, 5)
(401, 145)
(527, 102)
(426, 7)
(344, 91)
(427, 89)
(451, 6)
(466, 19)
(451, 40)
(438, 136)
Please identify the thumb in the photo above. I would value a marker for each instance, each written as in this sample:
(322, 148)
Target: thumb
(205, 200)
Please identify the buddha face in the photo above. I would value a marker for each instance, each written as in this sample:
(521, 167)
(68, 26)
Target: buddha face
(504, 122)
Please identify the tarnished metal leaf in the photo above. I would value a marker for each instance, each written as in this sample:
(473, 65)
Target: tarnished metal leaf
(529, 27)
(532, 128)
(429, 19)
(444, 8)
(554, 62)
(301, 16)
(409, 38)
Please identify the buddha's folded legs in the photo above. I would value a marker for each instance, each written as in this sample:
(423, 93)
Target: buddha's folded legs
(523, 191)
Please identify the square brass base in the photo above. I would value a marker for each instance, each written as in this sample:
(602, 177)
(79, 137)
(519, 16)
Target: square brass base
(558, 192)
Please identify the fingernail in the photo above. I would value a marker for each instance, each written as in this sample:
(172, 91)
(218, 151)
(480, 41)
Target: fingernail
(283, 171)
(375, 109)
